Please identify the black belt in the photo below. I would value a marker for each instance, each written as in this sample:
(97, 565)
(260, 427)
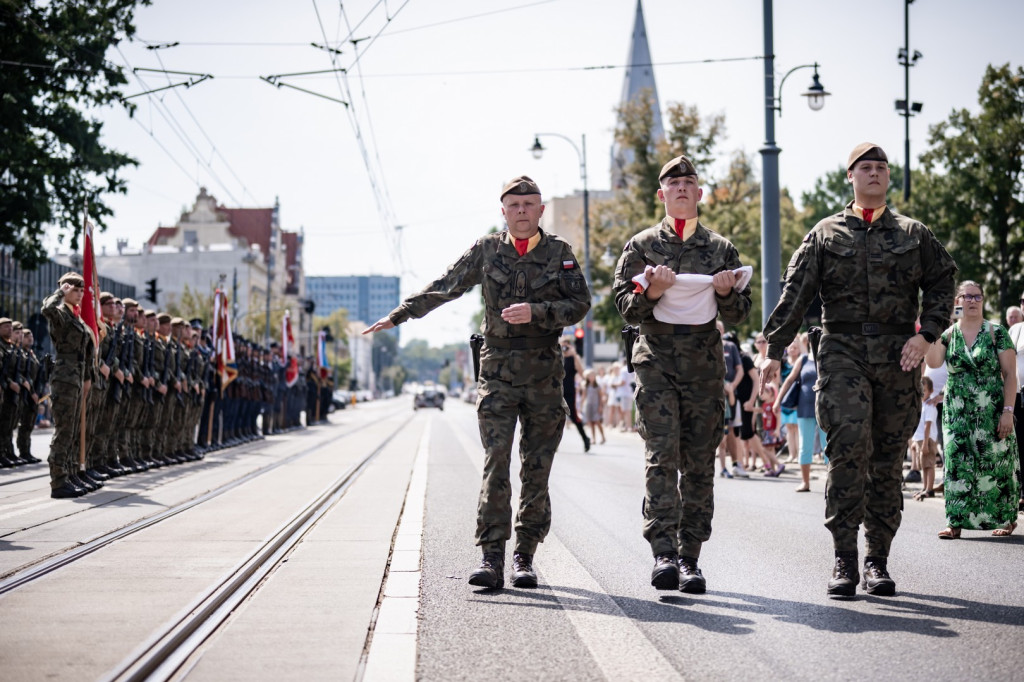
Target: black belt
(654, 328)
(869, 328)
(522, 342)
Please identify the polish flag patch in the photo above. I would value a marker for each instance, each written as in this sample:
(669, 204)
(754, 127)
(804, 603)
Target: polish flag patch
(568, 264)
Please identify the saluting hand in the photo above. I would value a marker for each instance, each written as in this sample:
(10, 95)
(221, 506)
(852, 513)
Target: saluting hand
(380, 325)
(517, 313)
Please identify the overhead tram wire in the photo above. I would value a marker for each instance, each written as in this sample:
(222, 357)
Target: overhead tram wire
(373, 135)
(385, 214)
(179, 131)
(213, 146)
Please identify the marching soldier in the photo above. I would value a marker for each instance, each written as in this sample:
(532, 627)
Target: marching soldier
(679, 371)
(876, 272)
(532, 289)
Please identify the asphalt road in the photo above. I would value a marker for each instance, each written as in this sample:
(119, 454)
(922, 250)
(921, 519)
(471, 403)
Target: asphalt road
(958, 613)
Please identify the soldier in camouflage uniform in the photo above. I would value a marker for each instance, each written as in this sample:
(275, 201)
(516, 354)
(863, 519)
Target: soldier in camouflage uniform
(29, 409)
(679, 375)
(868, 264)
(73, 344)
(14, 386)
(532, 289)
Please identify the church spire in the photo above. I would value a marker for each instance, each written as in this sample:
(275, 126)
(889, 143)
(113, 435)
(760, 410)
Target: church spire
(638, 81)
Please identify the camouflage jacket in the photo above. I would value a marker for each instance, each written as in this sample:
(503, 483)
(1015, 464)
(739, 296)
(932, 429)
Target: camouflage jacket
(689, 357)
(548, 278)
(72, 342)
(890, 272)
(108, 338)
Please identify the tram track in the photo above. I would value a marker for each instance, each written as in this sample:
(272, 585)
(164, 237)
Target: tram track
(173, 645)
(31, 572)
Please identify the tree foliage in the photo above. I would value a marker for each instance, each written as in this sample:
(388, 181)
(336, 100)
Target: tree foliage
(971, 193)
(52, 162)
(193, 304)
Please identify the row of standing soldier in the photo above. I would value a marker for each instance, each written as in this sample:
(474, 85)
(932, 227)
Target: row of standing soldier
(23, 380)
(152, 396)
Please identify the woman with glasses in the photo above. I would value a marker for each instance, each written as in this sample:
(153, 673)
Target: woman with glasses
(980, 486)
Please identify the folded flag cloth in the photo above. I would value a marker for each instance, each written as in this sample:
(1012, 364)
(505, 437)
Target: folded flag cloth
(691, 300)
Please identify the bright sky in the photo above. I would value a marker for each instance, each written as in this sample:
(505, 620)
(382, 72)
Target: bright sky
(450, 93)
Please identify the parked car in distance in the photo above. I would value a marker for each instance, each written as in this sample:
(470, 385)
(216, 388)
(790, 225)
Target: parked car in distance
(428, 396)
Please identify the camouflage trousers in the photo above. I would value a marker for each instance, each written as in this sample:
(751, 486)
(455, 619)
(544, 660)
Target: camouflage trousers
(10, 407)
(540, 410)
(67, 414)
(26, 422)
(868, 412)
(681, 424)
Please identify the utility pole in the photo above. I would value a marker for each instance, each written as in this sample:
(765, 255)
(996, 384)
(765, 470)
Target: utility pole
(904, 107)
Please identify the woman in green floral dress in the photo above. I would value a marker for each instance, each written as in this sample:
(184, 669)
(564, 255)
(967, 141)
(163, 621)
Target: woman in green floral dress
(980, 483)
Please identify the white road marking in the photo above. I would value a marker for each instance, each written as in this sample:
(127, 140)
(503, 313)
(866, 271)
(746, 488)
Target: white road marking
(392, 655)
(618, 646)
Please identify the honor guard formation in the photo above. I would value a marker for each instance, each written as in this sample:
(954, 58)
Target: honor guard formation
(150, 392)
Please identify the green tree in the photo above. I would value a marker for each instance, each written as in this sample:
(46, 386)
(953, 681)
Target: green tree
(193, 304)
(52, 162)
(971, 193)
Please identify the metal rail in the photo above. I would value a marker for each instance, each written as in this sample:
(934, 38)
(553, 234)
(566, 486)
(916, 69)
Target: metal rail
(164, 653)
(33, 572)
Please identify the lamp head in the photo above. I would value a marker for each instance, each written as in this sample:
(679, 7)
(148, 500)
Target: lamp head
(537, 149)
(816, 93)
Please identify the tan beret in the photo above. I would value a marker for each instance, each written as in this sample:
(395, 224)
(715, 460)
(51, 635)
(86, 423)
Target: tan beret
(163, 318)
(106, 297)
(866, 151)
(177, 321)
(148, 313)
(677, 168)
(130, 303)
(17, 325)
(5, 320)
(72, 278)
(520, 185)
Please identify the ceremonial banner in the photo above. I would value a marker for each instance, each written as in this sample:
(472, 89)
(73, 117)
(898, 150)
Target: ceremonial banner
(291, 369)
(91, 300)
(223, 343)
(321, 354)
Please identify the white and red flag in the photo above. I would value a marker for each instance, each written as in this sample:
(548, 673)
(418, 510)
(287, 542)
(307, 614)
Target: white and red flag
(291, 364)
(91, 300)
(223, 342)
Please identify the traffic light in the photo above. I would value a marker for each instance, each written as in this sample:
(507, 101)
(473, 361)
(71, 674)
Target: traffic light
(579, 341)
(309, 306)
(151, 290)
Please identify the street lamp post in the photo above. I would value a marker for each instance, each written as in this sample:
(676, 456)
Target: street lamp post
(904, 107)
(538, 150)
(771, 250)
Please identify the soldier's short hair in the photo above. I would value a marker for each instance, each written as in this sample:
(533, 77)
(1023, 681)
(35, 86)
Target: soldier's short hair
(521, 185)
(866, 151)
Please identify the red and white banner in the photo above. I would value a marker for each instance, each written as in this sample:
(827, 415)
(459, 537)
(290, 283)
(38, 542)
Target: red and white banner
(223, 342)
(91, 299)
(291, 369)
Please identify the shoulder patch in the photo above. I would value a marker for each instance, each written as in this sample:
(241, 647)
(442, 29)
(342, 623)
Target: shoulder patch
(807, 237)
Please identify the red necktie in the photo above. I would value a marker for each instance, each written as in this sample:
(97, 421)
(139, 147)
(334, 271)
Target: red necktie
(522, 245)
(77, 310)
(868, 214)
(680, 225)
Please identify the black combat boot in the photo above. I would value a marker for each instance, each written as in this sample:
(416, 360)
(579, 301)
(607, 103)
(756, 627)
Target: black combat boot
(79, 482)
(844, 576)
(96, 475)
(523, 574)
(66, 490)
(876, 577)
(691, 580)
(665, 574)
(491, 573)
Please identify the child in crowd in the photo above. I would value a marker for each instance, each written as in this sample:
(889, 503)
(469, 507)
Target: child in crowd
(771, 438)
(593, 404)
(923, 448)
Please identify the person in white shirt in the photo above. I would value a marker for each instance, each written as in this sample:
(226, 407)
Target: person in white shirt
(923, 449)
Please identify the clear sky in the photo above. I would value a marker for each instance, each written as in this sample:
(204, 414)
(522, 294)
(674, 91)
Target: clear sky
(447, 96)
